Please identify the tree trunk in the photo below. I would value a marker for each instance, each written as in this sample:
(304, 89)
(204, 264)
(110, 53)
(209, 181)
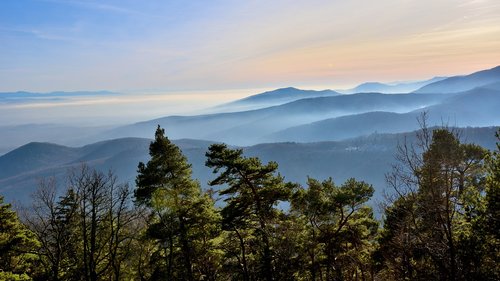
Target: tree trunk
(246, 277)
(185, 249)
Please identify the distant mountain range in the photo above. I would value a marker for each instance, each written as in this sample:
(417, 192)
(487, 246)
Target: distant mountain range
(275, 97)
(6, 96)
(366, 158)
(336, 117)
(291, 108)
(463, 83)
(478, 107)
(394, 88)
(315, 133)
(252, 127)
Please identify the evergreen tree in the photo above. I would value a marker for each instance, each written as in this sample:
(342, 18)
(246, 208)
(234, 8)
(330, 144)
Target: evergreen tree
(17, 246)
(340, 229)
(252, 194)
(493, 192)
(183, 219)
(487, 225)
(430, 230)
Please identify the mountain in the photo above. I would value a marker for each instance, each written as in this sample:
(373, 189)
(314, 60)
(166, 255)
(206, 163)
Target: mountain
(23, 167)
(22, 95)
(463, 83)
(275, 97)
(249, 127)
(393, 88)
(492, 86)
(347, 127)
(33, 156)
(13, 136)
(365, 158)
(478, 107)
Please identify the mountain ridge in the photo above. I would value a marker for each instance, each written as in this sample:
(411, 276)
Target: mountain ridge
(274, 97)
(246, 127)
(462, 107)
(390, 88)
(366, 158)
(463, 83)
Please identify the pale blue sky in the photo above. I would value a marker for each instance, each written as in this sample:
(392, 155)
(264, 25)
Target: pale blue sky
(126, 45)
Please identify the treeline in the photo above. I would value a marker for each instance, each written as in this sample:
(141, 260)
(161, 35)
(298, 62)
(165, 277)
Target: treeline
(441, 221)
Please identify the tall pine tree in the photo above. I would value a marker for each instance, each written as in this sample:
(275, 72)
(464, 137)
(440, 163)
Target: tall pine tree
(252, 194)
(184, 221)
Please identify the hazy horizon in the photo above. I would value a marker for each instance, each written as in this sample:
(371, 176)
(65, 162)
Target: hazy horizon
(112, 110)
(125, 107)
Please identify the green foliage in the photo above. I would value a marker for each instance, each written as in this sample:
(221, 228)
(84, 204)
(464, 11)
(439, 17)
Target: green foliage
(435, 228)
(487, 225)
(252, 193)
(493, 192)
(17, 246)
(339, 230)
(183, 221)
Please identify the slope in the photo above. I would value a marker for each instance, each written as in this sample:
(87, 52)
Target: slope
(404, 87)
(366, 158)
(249, 127)
(478, 107)
(463, 83)
(272, 98)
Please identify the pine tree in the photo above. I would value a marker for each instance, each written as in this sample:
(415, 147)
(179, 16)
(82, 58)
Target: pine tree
(252, 194)
(183, 219)
(17, 246)
(431, 229)
(488, 225)
(340, 228)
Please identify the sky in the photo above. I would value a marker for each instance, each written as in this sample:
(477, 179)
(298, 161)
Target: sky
(201, 45)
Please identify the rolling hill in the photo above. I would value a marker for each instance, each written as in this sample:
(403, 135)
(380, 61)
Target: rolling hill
(274, 97)
(250, 127)
(478, 107)
(366, 158)
(16, 135)
(394, 88)
(463, 83)
(325, 115)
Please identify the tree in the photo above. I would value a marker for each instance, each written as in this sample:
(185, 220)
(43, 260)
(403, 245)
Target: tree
(86, 233)
(398, 254)
(340, 228)
(104, 216)
(493, 192)
(55, 223)
(438, 195)
(487, 224)
(252, 194)
(183, 220)
(17, 246)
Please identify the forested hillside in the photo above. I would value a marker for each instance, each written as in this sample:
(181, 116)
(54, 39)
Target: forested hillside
(440, 223)
(366, 158)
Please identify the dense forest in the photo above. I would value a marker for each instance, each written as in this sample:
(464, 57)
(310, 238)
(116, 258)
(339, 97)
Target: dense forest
(441, 221)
